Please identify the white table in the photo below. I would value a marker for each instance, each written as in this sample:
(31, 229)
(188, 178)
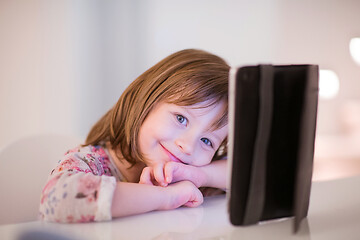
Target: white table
(334, 214)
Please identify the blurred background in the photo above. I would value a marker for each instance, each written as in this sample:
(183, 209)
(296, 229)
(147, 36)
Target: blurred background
(64, 63)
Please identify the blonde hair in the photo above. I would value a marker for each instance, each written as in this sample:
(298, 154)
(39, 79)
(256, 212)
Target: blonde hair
(184, 78)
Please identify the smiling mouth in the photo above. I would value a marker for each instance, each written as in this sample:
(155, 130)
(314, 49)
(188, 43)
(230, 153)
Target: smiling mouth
(172, 157)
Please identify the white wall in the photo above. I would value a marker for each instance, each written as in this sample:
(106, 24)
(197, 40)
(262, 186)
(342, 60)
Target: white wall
(279, 32)
(50, 67)
(64, 63)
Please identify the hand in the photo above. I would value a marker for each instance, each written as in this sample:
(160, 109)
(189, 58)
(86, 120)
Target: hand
(171, 172)
(182, 193)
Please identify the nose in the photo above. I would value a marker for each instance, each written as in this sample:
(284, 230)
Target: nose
(186, 143)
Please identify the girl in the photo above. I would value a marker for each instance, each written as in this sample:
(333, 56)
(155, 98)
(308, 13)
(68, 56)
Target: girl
(153, 150)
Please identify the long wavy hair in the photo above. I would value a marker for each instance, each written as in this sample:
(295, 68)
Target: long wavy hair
(184, 78)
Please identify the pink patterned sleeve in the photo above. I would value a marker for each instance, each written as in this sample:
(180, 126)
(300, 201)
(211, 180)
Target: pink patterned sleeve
(79, 189)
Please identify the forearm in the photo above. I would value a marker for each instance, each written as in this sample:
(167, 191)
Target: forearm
(134, 198)
(211, 175)
(215, 174)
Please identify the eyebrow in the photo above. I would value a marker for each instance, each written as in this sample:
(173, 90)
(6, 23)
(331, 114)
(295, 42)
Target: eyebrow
(217, 138)
(218, 123)
(188, 112)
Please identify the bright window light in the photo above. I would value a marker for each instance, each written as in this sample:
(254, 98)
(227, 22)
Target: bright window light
(355, 49)
(328, 84)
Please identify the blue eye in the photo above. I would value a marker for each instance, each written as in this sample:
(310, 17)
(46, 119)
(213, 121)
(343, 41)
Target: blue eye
(207, 141)
(181, 119)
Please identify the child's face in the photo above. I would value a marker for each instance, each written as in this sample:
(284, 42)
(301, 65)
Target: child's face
(181, 134)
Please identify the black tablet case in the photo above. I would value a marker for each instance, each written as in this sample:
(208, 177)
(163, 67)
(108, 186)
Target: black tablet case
(272, 124)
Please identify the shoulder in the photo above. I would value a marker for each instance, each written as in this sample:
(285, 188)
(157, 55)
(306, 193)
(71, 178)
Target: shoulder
(98, 149)
(89, 158)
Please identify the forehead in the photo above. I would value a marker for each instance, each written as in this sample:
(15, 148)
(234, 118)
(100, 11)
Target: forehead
(214, 113)
(205, 108)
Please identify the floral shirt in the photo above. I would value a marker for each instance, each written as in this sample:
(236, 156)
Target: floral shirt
(81, 187)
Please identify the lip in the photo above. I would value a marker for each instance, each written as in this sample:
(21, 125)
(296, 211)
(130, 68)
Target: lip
(172, 157)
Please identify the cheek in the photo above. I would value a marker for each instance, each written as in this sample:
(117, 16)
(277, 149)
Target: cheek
(205, 157)
(145, 135)
(150, 134)
(141, 142)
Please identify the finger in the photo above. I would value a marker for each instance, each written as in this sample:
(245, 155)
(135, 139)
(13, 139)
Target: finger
(196, 199)
(169, 170)
(146, 176)
(158, 172)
